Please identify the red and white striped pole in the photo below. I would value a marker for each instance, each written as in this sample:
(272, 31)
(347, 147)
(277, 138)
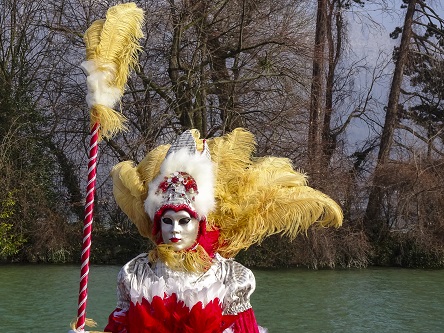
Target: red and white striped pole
(87, 227)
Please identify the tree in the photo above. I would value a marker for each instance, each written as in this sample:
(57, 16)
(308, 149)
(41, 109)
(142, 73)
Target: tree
(329, 45)
(28, 60)
(425, 70)
(317, 89)
(373, 223)
(217, 65)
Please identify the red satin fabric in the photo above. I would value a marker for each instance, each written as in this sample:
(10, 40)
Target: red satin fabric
(169, 316)
(246, 322)
(117, 323)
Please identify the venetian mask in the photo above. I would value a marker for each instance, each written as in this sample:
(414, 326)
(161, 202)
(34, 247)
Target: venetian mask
(179, 229)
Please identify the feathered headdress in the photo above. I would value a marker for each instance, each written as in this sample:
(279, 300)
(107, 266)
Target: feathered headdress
(255, 197)
(185, 180)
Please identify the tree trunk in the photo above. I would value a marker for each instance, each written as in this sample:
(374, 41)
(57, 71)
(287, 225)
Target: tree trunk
(317, 88)
(183, 106)
(373, 221)
(334, 42)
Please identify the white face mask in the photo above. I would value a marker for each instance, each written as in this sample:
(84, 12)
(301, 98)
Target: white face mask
(179, 229)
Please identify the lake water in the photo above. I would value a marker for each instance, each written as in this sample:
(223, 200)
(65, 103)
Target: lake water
(43, 298)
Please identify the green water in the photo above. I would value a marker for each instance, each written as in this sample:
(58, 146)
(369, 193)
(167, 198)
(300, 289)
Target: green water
(43, 298)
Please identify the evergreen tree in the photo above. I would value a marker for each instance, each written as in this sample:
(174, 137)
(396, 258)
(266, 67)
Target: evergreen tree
(425, 70)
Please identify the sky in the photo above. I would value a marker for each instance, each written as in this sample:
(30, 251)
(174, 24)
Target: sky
(369, 29)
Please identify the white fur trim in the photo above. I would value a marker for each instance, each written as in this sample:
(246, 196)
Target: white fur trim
(197, 166)
(99, 90)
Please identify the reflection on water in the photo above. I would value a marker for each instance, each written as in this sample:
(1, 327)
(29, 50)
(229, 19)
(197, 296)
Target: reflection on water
(43, 298)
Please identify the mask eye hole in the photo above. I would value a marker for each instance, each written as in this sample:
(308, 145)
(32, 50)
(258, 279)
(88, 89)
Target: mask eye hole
(184, 220)
(167, 220)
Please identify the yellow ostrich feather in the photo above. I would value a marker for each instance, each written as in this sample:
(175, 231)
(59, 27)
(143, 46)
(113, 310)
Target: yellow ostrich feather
(88, 322)
(129, 192)
(130, 187)
(191, 261)
(111, 52)
(255, 197)
(118, 40)
(266, 199)
(91, 38)
(233, 150)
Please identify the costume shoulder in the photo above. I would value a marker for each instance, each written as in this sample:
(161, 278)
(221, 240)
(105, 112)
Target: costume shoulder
(130, 277)
(135, 266)
(240, 282)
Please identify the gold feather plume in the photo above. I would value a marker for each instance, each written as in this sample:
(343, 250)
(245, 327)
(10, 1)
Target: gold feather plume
(255, 197)
(111, 52)
(258, 197)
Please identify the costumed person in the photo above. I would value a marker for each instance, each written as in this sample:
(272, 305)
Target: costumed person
(201, 202)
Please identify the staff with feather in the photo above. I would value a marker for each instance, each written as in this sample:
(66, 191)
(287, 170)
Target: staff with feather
(111, 51)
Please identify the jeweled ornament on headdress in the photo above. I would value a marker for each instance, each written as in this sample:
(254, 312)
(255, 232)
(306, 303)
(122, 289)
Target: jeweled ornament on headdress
(178, 188)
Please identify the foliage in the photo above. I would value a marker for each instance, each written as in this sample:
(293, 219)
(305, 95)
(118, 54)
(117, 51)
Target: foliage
(27, 168)
(10, 243)
(410, 250)
(413, 201)
(114, 246)
(425, 71)
(320, 248)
